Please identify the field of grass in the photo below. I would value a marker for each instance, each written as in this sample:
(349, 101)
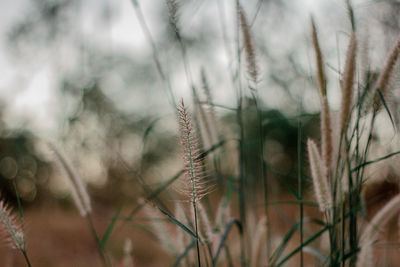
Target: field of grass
(254, 188)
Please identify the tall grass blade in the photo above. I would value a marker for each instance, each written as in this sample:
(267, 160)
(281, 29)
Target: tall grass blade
(110, 228)
(375, 161)
(178, 223)
(21, 214)
(386, 106)
(308, 241)
(228, 229)
(279, 250)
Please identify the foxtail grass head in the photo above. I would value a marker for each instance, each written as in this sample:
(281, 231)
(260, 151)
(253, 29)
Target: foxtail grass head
(321, 77)
(11, 228)
(248, 43)
(319, 177)
(194, 167)
(386, 74)
(326, 128)
(348, 79)
(173, 7)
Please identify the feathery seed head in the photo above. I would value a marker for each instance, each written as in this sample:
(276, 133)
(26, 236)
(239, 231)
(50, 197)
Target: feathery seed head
(319, 59)
(78, 190)
(194, 167)
(11, 227)
(347, 83)
(386, 73)
(319, 177)
(326, 134)
(252, 67)
(326, 144)
(173, 8)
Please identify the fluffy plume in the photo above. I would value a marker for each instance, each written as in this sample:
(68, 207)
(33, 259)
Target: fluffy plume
(321, 77)
(173, 8)
(371, 233)
(326, 134)
(78, 189)
(347, 83)
(11, 227)
(252, 67)
(319, 177)
(386, 73)
(326, 130)
(193, 165)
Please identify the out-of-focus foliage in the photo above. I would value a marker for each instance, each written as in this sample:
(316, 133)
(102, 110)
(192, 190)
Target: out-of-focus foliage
(113, 115)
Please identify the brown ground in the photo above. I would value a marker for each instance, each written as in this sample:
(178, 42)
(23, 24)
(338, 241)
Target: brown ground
(60, 237)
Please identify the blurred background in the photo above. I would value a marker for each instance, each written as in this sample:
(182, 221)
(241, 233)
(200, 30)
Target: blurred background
(82, 74)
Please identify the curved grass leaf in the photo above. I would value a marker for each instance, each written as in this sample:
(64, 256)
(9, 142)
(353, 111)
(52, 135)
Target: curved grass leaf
(285, 182)
(181, 225)
(278, 252)
(21, 214)
(109, 229)
(375, 160)
(308, 241)
(386, 107)
(229, 226)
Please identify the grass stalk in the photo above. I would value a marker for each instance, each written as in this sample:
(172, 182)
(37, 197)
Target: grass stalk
(300, 186)
(239, 117)
(28, 263)
(197, 233)
(103, 258)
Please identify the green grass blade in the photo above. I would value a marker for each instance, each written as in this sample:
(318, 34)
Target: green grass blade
(308, 241)
(374, 161)
(279, 250)
(283, 180)
(229, 226)
(300, 186)
(181, 225)
(156, 192)
(21, 214)
(386, 107)
(109, 229)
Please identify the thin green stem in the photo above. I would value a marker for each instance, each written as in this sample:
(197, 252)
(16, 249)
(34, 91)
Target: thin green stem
(300, 187)
(239, 116)
(197, 233)
(26, 258)
(102, 256)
